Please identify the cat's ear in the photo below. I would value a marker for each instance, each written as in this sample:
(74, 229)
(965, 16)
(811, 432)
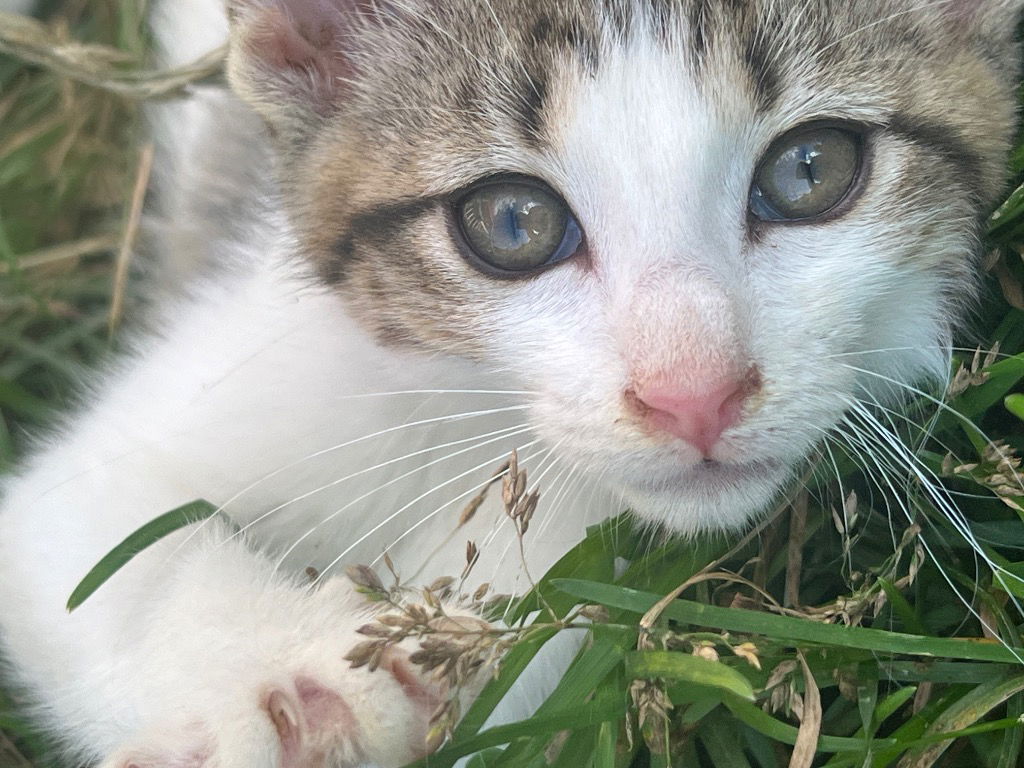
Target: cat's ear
(293, 60)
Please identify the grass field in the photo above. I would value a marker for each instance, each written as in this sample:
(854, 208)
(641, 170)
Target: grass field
(824, 638)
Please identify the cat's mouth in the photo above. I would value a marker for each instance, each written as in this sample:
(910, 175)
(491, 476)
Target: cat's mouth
(709, 495)
(708, 475)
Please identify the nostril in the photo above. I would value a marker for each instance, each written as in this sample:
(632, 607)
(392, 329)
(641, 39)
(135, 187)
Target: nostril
(697, 415)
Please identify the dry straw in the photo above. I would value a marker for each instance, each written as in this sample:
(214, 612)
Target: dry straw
(99, 66)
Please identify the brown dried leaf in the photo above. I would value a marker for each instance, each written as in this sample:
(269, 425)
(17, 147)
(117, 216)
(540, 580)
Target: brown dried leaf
(374, 630)
(441, 586)
(948, 465)
(363, 653)
(391, 568)
(364, 576)
(396, 620)
(780, 674)
(749, 653)
(806, 746)
(706, 651)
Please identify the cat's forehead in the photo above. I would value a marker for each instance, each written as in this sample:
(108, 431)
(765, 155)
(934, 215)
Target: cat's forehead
(496, 82)
(486, 52)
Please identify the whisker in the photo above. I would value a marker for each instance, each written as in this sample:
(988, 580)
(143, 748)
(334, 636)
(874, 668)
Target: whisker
(882, 471)
(878, 350)
(570, 479)
(352, 502)
(347, 444)
(440, 392)
(419, 498)
(497, 435)
(927, 435)
(883, 20)
(524, 458)
(922, 472)
(534, 485)
(941, 404)
(892, 447)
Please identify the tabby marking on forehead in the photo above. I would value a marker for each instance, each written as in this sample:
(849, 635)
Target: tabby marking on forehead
(451, 93)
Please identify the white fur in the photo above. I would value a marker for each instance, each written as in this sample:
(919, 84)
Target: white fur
(259, 393)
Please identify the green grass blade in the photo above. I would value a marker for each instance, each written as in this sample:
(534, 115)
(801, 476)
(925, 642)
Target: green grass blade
(142, 539)
(942, 671)
(607, 741)
(606, 706)
(578, 750)
(723, 743)
(793, 629)
(776, 730)
(1015, 405)
(961, 718)
(682, 667)
(588, 671)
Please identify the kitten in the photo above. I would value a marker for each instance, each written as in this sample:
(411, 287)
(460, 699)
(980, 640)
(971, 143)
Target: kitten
(659, 246)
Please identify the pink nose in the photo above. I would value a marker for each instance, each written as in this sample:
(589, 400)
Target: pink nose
(698, 417)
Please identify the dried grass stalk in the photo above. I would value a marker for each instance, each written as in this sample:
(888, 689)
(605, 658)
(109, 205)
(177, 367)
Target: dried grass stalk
(99, 66)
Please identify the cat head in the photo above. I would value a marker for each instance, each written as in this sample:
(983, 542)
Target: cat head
(699, 230)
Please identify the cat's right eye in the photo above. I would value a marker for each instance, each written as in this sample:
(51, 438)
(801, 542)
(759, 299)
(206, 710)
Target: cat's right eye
(515, 226)
(806, 174)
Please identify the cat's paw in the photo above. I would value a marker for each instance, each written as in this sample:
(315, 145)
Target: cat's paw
(312, 707)
(381, 718)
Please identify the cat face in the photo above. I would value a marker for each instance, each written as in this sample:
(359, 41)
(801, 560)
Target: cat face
(698, 230)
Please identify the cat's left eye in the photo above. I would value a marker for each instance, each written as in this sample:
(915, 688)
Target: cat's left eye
(515, 227)
(807, 174)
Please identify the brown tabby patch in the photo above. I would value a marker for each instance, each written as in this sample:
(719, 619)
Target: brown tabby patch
(447, 92)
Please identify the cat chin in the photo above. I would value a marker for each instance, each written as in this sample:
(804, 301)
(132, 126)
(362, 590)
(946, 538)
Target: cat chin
(707, 497)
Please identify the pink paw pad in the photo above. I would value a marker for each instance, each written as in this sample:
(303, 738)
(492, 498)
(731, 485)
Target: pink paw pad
(312, 723)
(421, 690)
(424, 692)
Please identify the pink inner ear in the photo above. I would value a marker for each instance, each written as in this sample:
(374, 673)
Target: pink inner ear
(280, 44)
(305, 36)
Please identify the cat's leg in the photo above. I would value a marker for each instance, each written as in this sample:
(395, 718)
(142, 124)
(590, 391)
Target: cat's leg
(284, 694)
(199, 655)
(247, 669)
